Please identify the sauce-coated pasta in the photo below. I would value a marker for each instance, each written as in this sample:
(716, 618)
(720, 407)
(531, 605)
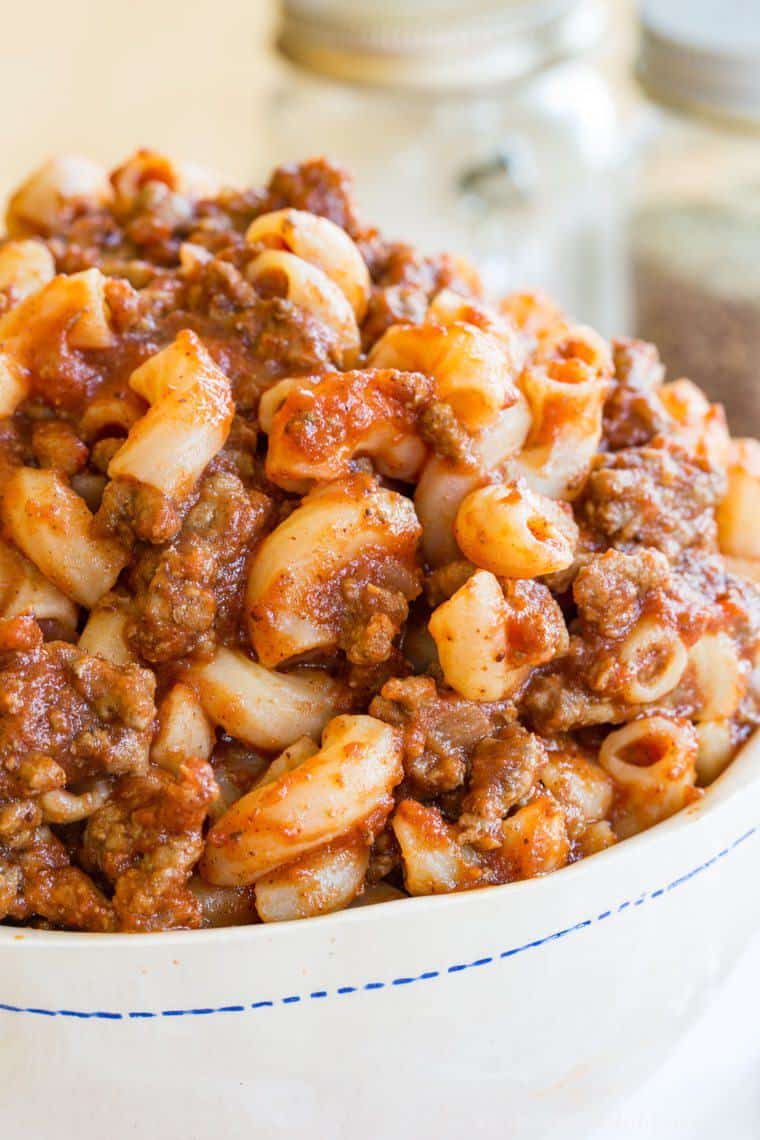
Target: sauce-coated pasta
(324, 580)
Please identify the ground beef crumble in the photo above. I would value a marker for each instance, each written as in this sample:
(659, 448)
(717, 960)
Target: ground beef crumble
(66, 715)
(146, 841)
(658, 496)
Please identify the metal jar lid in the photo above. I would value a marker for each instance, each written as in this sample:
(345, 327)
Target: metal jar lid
(435, 44)
(702, 56)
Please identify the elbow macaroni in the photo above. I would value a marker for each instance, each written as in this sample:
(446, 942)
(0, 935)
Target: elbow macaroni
(25, 266)
(449, 308)
(718, 676)
(654, 659)
(738, 515)
(319, 428)
(105, 633)
(515, 532)
(24, 590)
(652, 762)
(147, 166)
(481, 654)
(189, 419)
(311, 289)
(74, 307)
(470, 634)
(535, 839)
(320, 882)
(263, 708)
(53, 527)
(434, 860)
(444, 483)
(566, 395)
(288, 613)
(320, 242)
(39, 204)
(320, 800)
(184, 731)
(699, 425)
(473, 371)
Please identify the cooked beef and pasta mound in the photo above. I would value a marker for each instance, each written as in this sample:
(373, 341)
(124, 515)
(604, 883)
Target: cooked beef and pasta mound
(325, 580)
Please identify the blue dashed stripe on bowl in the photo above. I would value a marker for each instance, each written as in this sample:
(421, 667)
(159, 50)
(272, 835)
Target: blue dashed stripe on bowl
(370, 986)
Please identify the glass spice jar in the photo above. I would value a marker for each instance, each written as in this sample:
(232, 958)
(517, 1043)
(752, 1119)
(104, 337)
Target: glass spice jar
(695, 229)
(475, 126)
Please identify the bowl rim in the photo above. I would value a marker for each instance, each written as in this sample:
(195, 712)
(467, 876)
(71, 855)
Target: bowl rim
(742, 773)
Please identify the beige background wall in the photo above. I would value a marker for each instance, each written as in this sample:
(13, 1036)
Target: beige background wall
(102, 78)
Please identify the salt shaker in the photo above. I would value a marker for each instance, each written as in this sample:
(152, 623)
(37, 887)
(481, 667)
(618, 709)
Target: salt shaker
(482, 127)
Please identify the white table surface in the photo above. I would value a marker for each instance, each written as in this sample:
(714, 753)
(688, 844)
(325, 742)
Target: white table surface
(710, 1087)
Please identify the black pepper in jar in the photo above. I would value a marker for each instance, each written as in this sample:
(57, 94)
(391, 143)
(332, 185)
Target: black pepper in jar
(696, 280)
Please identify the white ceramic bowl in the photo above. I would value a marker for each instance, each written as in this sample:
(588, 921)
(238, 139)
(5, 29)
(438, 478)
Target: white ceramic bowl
(507, 1012)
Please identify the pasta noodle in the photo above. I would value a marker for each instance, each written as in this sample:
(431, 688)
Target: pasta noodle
(566, 396)
(583, 789)
(444, 483)
(320, 242)
(653, 764)
(320, 428)
(59, 806)
(322, 881)
(105, 632)
(715, 748)
(433, 859)
(737, 515)
(310, 288)
(25, 266)
(148, 167)
(515, 532)
(261, 707)
(72, 307)
(535, 839)
(23, 590)
(183, 732)
(451, 308)
(53, 527)
(333, 527)
(315, 803)
(698, 424)
(654, 658)
(473, 371)
(718, 675)
(187, 424)
(483, 653)
(62, 182)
